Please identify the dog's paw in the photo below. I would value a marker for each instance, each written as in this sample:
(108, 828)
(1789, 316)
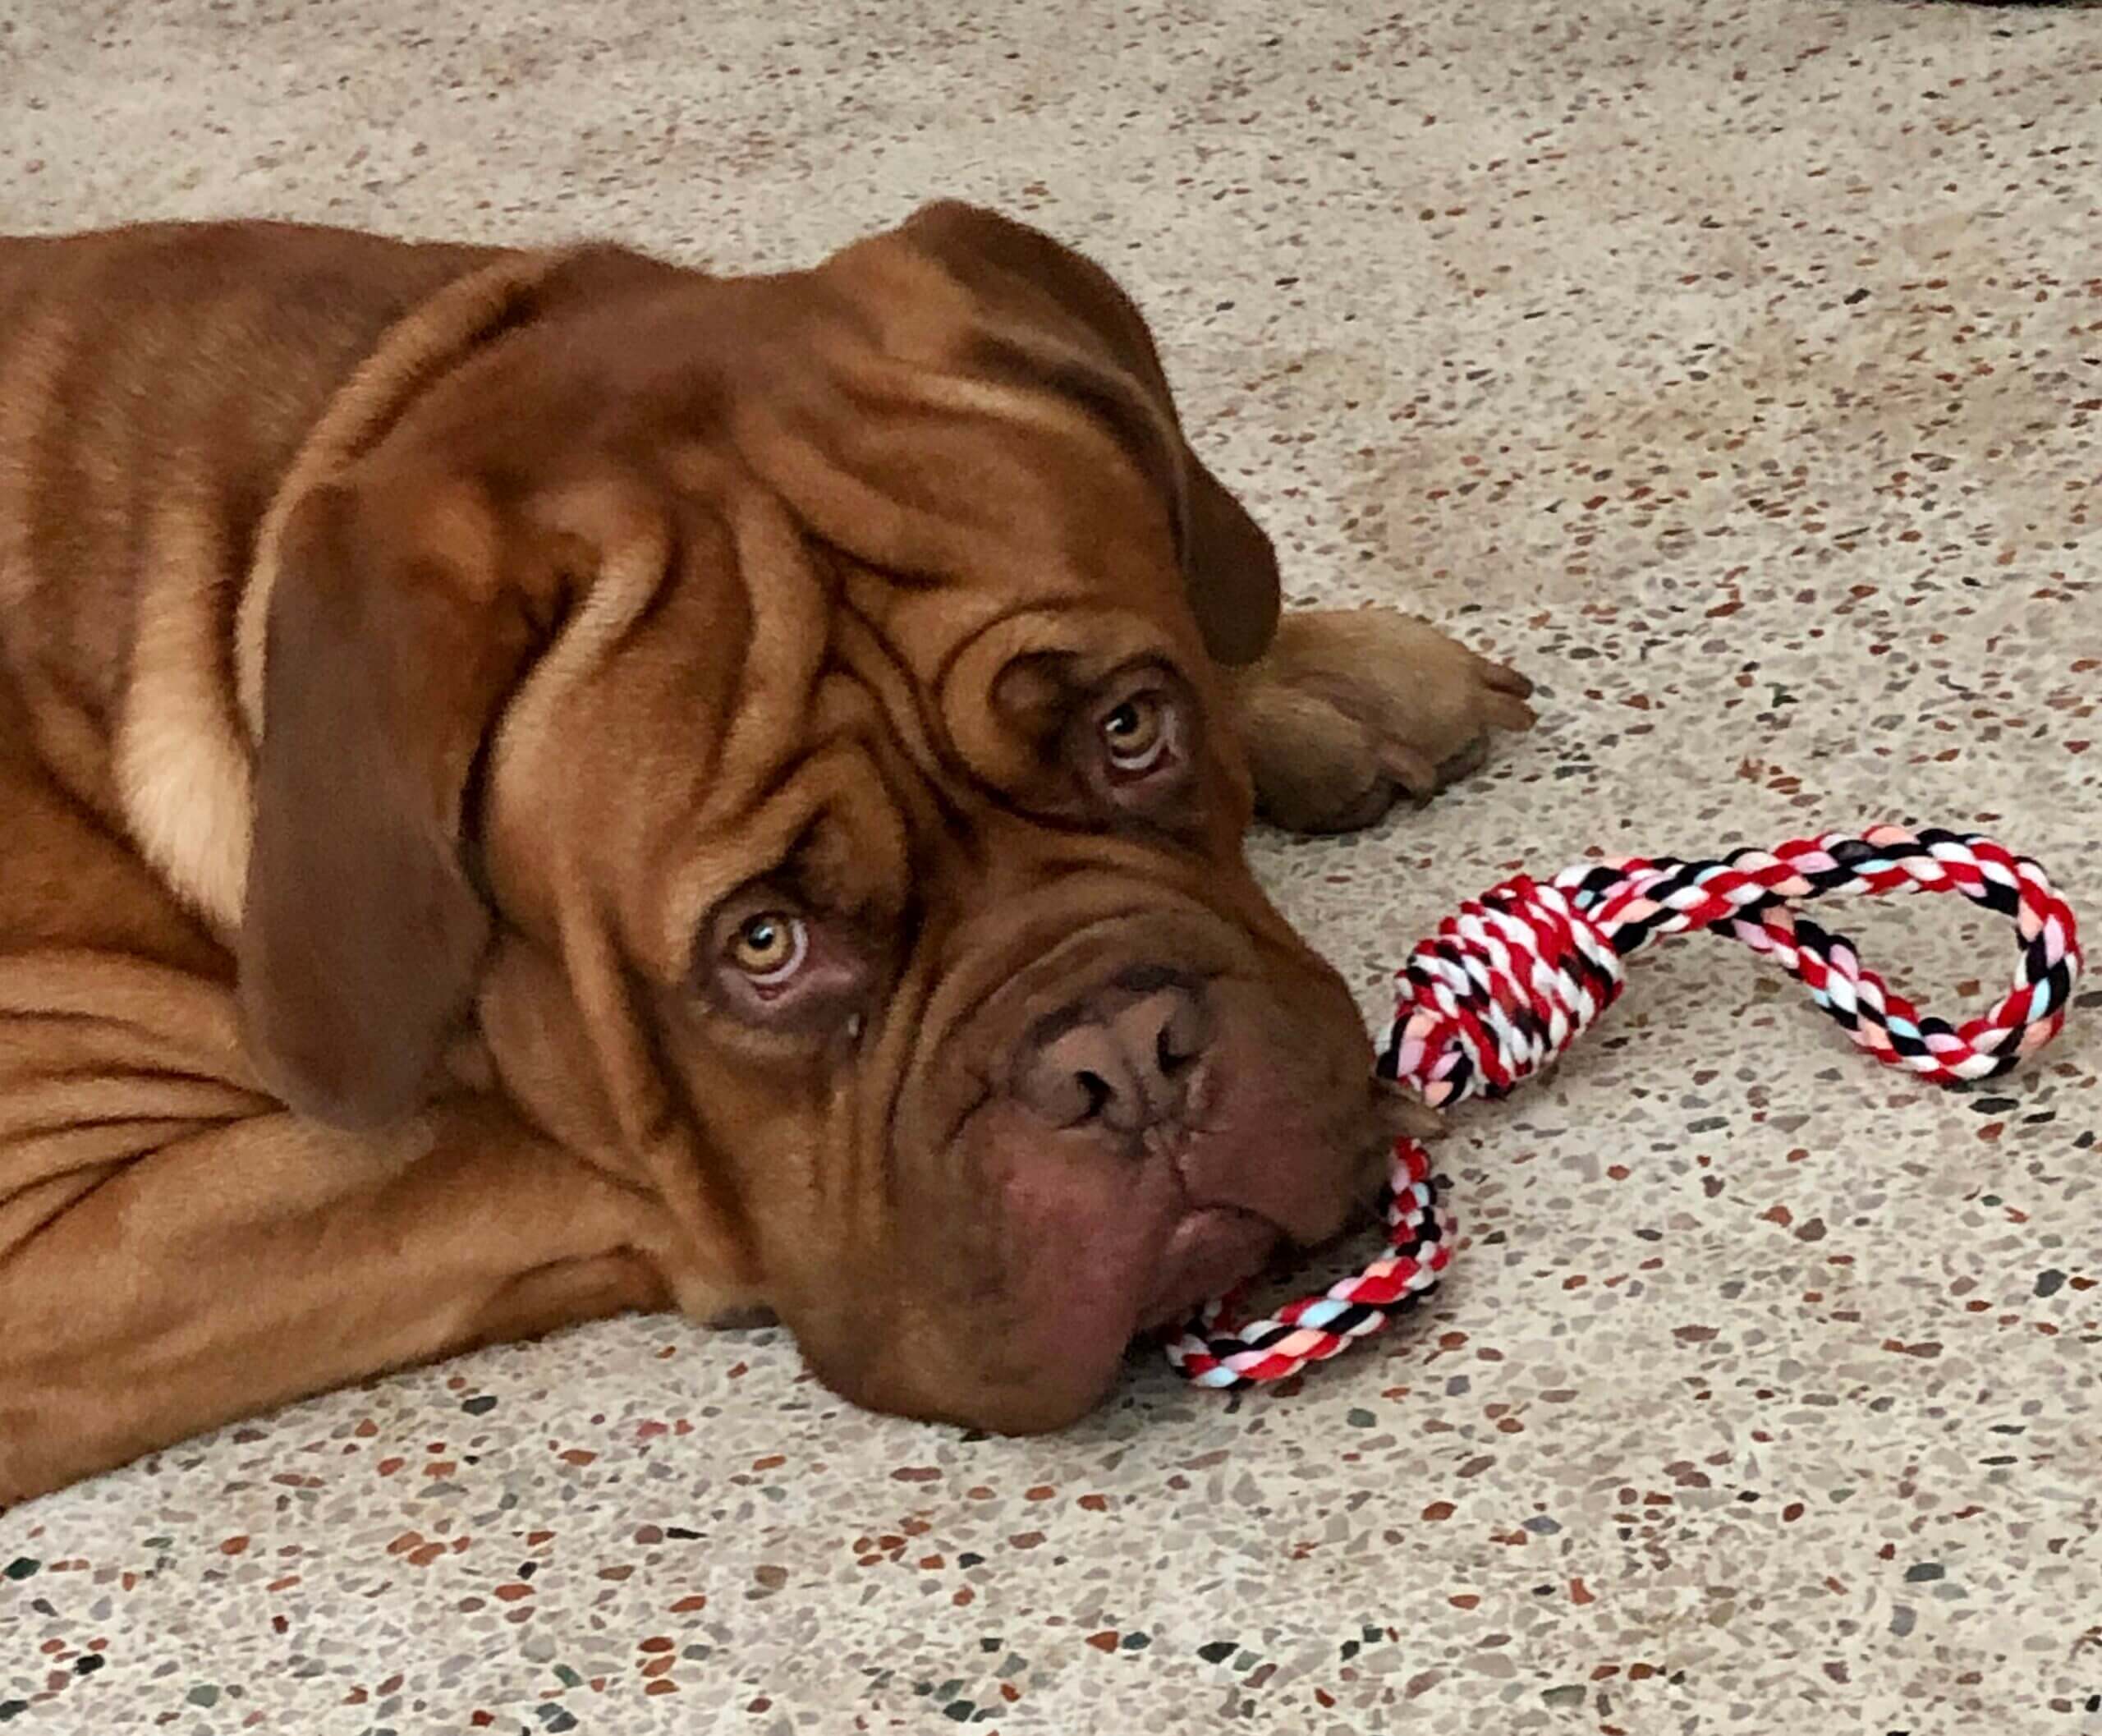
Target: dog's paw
(1350, 708)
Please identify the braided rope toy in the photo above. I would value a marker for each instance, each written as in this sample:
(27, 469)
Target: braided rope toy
(1518, 973)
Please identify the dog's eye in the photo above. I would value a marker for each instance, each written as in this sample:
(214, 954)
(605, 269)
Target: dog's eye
(768, 958)
(770, 946)
(1136, 733)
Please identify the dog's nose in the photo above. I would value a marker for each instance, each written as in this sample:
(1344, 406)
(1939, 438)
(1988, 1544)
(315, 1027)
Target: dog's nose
(1120, 1058)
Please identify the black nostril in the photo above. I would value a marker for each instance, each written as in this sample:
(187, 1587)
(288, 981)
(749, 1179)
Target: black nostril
(1099, 1093)
(1169, 1054)
(1182, 1030)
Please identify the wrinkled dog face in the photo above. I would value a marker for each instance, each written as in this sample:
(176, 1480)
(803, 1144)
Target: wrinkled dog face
(791, 706)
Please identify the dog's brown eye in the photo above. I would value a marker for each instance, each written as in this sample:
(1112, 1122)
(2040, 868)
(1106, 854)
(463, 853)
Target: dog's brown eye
(769, 946)
(1135, 733)
(771, 960)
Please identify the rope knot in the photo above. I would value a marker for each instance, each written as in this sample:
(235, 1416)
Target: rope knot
(1507, 982)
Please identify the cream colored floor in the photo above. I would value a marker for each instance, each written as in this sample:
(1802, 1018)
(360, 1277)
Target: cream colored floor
(1733, 365)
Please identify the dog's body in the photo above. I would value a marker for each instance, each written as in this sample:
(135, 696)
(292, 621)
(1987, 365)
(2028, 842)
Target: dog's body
(702, 793)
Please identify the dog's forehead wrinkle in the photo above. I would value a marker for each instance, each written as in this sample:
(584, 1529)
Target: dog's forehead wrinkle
(789, 636)
(909, 454)
(863, 643)
(943, 793)
(910, 728)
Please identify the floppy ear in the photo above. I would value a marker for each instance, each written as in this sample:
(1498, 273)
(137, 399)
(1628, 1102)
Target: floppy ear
(1036, 289)
(390, 647)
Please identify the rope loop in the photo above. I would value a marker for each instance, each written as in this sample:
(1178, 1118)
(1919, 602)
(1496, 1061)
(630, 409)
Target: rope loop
(1513, 977)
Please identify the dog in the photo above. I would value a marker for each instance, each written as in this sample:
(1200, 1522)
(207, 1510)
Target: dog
(543, 784)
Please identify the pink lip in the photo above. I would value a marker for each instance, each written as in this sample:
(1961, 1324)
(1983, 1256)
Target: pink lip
(1211, 1249)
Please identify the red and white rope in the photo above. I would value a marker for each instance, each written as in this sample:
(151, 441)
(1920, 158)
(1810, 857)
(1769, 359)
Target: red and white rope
(1514, 976)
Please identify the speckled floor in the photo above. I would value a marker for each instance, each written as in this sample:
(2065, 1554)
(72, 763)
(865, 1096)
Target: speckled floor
(1734, 365)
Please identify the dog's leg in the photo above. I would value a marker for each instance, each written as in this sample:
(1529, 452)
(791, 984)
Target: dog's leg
(190, 1261)
(1350, 709)
(176, 1250)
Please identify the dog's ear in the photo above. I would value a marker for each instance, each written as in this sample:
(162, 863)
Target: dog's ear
(1056, 316)
(391, 643)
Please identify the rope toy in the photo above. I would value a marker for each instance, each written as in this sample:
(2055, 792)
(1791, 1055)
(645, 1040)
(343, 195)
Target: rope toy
(1509, 982)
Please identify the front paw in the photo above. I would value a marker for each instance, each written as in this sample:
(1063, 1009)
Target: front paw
(1350, 709)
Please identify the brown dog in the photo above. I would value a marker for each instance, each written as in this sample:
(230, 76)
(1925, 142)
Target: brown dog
(539, 784)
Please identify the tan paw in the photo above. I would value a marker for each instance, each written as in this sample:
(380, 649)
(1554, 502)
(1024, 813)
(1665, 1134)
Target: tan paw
(1350, 708)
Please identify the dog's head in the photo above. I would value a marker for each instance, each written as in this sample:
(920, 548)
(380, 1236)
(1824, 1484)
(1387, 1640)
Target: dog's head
(786, 714)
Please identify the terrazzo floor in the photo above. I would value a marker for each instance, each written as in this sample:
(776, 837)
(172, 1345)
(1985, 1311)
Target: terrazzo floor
(1735, 366)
